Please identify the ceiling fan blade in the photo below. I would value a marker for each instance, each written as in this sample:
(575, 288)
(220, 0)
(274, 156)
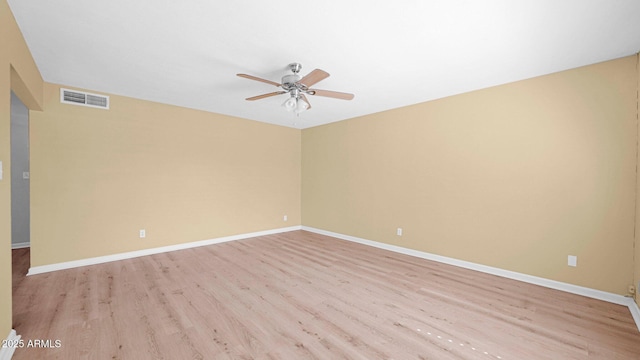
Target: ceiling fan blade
(265, 95)
(314, 77)
(251, 77)
(306, 100)
(331, 94)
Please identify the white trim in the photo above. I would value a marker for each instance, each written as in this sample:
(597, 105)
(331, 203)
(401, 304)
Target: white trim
(635, 311)
(20, 245)
(133, 254)
(7, 352)
(570, 288)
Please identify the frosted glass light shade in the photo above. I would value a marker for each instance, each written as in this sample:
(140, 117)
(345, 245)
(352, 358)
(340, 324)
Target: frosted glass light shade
(301, 106)
(290, 104)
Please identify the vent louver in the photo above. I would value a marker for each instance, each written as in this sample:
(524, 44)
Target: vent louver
(85, 99)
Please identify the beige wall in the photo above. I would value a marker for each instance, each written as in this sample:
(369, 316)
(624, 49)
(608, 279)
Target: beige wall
(517, 176)
(18, 73)
(99, 176)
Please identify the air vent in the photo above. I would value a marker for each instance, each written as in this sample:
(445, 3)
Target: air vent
(85, 99)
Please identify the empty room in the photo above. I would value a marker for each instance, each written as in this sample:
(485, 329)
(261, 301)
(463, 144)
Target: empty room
(328, 180)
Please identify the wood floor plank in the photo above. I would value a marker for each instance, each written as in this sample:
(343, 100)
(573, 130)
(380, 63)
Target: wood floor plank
(300, 295)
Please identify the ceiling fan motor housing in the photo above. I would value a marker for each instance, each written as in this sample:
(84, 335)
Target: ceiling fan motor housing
(289, 81)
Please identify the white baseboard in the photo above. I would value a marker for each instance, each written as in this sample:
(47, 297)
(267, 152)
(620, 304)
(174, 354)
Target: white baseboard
(7, 352)
(570, 288)
(133, 254)
(635, 311)
(20, 245)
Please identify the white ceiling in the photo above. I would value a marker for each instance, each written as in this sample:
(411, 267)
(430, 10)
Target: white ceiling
(388, 53)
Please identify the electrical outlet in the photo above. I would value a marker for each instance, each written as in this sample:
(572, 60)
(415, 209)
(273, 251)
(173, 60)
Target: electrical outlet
(285, 218)
(631, 289)
(143, 233)
(572, 260)
(399, 232)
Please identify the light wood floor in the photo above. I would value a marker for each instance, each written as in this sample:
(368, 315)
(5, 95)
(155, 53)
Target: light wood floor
(300, 295)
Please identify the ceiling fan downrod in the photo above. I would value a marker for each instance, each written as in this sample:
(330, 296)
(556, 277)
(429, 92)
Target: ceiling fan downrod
(295, 67)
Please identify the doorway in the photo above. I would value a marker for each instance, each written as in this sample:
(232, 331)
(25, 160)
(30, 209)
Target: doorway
(20, 196)
(20, 193)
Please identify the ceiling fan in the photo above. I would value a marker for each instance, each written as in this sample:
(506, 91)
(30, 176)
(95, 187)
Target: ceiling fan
(298, 87)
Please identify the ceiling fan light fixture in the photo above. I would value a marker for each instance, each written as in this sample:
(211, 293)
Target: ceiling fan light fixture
(290, 104)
